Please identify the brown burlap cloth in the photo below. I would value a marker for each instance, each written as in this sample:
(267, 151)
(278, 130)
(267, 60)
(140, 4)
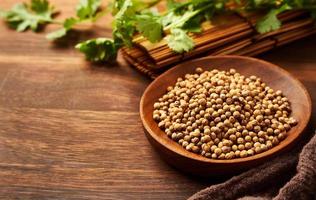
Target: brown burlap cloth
(291, 176)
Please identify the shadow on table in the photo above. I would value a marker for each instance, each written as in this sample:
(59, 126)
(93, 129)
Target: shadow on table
(75, 36)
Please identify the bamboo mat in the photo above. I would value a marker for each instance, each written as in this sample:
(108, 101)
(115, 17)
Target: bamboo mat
(227, 35)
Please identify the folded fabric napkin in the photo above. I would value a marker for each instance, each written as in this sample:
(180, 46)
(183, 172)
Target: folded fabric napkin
(291, 176)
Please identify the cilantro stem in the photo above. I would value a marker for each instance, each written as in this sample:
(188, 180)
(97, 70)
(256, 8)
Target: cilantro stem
(153, 3)
(56, 22)
(185, 19)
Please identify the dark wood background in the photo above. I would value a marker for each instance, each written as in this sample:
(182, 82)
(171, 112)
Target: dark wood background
(71, 130)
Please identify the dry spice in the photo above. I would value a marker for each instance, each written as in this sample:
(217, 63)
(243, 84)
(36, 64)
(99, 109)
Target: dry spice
(223, 114)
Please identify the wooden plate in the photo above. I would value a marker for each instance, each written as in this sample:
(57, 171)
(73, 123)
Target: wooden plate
(274, 76)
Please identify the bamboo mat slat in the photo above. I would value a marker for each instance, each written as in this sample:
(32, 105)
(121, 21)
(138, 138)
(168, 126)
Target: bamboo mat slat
(234, 35)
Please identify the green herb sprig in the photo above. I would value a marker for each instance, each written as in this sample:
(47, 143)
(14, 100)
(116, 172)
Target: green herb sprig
(40, 12)
(184, 17)
(133, 17)
(23, 16)
(86, 10)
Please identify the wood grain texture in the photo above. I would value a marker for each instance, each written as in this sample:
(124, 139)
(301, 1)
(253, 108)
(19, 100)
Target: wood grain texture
(71, 130)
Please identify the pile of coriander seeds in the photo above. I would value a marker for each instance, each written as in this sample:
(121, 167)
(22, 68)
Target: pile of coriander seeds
(223, 114)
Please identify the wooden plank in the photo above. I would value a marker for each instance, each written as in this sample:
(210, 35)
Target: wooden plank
(71, 130)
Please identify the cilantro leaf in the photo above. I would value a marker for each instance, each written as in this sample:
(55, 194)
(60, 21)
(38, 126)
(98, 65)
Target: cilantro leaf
(87, 9)
(172, 4)
(99, 49)
(179, 41)
(150, 26)
(124, 32)
(177, 21)
(116, 6)
(193, 25)
(67, 25)
(270, 22)
(23, 16)
(125, 23)
(40, 6)
(140, 5)
(126, 10)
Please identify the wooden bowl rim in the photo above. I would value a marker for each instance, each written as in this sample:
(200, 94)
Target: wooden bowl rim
(201, 158)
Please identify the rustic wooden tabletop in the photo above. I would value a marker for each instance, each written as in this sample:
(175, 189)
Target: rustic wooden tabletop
(71, 130)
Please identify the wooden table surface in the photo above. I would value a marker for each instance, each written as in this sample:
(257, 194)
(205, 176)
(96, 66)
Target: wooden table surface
(71, 130)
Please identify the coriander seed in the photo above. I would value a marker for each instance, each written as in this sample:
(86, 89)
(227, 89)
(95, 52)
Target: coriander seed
(223, 114)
